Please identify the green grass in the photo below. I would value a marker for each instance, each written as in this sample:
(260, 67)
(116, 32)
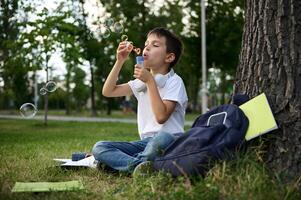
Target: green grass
(28, 147)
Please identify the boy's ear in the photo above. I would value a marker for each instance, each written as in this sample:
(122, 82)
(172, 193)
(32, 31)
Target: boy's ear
(170, 57)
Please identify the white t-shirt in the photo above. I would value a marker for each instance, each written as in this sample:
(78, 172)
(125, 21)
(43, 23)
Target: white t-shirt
(173, 90)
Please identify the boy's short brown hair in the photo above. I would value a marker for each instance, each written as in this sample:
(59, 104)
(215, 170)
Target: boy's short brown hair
(173, 43)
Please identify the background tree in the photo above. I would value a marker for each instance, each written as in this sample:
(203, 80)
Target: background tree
(41, 41)
(80, 91)
(12, 71)
(69, 32)
(88, 43)
(224, 33)
(137, 17)
(224, 22)
(270, 63)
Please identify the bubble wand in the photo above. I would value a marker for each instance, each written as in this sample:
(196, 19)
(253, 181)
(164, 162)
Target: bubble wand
(139, 59)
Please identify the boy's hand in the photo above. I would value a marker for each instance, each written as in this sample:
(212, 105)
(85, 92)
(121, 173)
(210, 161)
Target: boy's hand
(142, 74)
(123, 50)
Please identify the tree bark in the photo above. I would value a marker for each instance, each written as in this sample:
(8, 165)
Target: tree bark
(46, 95)
(67, 100)
(93, 105)
(270, 62)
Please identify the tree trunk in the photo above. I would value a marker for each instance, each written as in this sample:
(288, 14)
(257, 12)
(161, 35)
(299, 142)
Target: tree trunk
(67, 100)
(93, 106)
(46, 95)
(270, 62)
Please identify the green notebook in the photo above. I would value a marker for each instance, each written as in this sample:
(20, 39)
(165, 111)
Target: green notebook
(259, 113)
(47, 186)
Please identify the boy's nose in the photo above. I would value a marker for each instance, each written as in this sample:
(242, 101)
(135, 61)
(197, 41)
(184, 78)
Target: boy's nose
(145, 50)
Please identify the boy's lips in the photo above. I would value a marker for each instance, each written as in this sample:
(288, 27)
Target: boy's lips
(145, 56)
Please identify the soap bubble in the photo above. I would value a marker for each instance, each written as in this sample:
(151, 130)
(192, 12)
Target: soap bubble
(135, 49)
(103, 30)
(43, 91)
(118, 27)
(51, 86)
(109, 22)
(104, 33)
(124, 38)
(28, 110)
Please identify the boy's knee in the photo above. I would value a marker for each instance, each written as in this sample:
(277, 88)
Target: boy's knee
(163, 139)
(99, 147)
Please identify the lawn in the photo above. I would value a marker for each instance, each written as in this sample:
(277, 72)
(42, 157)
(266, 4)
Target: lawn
(28, 147)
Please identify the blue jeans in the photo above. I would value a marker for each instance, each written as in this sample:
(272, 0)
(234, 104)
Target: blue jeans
(125, 156)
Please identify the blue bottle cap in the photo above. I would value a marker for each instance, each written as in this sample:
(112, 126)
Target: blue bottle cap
(78, 156)
(139, 60)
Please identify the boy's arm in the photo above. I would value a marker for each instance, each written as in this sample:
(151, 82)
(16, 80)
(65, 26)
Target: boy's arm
(162, 108)
(110, 89)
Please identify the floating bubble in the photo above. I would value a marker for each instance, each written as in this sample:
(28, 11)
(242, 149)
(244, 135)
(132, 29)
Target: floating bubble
(43, 91)
(130, 44)
(28, 110)
(109, 22)
(118, 27)
(51, 86)
(124, 38)
(105, 33)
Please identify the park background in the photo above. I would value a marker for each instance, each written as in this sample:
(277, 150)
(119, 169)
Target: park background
(68, 42)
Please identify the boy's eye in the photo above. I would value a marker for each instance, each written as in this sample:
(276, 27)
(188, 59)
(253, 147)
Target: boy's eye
(153, 44)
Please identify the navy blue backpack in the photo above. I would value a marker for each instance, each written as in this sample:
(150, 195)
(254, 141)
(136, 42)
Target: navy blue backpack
(214, 135)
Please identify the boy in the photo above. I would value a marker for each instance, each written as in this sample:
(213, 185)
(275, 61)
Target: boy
(160, 109)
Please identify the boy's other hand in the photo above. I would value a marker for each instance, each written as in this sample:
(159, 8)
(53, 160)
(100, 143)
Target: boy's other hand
(142, 74)
(123, 50)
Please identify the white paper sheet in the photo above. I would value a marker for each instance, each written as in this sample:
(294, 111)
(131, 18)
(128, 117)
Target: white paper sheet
(86, 162)
(62, 160)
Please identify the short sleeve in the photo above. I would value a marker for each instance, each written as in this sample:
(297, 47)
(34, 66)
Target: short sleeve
(134, 84)
(175, 91)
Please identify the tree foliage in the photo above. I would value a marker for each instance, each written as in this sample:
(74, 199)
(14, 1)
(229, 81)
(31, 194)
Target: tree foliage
(80, 91)
(78, 36)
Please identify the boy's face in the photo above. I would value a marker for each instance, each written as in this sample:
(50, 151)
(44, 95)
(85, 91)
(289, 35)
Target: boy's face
(154, 52)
